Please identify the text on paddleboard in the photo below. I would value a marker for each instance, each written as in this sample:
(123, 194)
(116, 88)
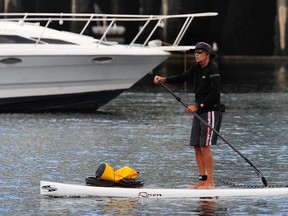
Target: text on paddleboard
(145, 194)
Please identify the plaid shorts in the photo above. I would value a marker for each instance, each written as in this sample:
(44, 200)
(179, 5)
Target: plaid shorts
(202, 135)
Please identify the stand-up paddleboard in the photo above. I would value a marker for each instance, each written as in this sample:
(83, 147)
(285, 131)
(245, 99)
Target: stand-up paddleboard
(54, 189)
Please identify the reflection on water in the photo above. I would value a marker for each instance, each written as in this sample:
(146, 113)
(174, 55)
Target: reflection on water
(252, 77)
(125, 206)
(150, 133)
(281, 77)
(236, 77)
(207, 207)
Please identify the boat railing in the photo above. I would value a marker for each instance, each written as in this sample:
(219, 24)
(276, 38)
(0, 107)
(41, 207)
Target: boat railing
(111, 19)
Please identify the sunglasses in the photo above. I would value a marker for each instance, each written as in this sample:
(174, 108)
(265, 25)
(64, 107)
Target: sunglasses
(199, 51)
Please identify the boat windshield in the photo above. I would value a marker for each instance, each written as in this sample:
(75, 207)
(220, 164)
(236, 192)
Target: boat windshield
(15, 39)
(12, 39)
(53, 41)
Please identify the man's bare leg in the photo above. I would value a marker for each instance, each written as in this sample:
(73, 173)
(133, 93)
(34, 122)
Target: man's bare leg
(201, 168)
(209, 166)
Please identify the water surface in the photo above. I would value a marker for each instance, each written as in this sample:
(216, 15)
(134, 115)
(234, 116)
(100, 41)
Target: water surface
(148, 132)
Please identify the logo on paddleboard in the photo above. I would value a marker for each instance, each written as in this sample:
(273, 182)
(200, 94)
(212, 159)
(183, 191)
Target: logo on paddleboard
(49, 188)
(146, 195)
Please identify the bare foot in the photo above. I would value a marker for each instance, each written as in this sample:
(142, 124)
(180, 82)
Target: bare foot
(200, 183)
(207, 185)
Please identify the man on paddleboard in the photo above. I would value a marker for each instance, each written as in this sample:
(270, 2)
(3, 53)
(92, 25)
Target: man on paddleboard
(205, 77)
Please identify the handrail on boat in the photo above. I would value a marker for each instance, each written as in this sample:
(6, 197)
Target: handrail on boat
(87, 24)
(141, 30)
(112, 18)
(183, 30)
(105, 33)
(46, 26)
(152, 32)
(121, 17)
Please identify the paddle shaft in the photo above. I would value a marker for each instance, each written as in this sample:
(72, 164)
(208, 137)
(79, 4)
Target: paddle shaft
(263, 180)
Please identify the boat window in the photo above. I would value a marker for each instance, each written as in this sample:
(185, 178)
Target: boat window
(101, 60)
(10, 60)
(54, 41)
(7, 39)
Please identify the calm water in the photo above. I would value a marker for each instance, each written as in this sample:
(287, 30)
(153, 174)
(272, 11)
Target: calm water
(149, 132)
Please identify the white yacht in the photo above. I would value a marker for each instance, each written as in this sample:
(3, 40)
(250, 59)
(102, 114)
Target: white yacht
(47, 69)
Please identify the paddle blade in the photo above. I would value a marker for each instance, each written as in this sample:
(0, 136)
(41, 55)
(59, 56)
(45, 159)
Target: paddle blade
(264, 182)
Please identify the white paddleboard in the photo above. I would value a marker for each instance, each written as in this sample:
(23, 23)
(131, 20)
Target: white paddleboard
(54, 189)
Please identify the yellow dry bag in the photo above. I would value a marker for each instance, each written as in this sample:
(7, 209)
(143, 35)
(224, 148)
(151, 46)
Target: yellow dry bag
(125, 172)
(105, 172)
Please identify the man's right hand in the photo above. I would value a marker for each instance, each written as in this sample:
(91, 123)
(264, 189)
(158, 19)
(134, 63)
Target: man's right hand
(159, 79)
(192, 108)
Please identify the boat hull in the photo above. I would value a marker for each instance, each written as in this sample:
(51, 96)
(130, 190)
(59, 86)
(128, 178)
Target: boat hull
(54, 189)
(63, 82)
(68, 102)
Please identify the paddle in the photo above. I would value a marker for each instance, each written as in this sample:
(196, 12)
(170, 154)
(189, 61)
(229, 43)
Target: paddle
(263, 180)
